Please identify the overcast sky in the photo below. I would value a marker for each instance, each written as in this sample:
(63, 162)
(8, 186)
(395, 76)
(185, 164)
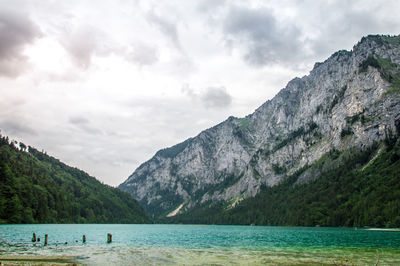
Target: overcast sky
(102, 85)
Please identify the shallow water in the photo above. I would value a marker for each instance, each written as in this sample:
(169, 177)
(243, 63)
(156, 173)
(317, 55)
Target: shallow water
(204, 244)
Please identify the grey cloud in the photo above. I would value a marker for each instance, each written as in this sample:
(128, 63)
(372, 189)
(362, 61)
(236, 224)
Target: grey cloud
(83, 43)
(17, 128)
(168, 28)
(78, 120)
(84, 124)
(16, 31)
(263, 38)
(206, 5)
(216, 97)
(211, 97)
(189, 92)
(344, 27)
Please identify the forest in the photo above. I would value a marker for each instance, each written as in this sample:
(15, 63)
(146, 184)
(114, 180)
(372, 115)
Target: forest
(37, 188)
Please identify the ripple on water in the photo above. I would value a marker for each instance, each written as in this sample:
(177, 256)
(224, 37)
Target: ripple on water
(198, 245)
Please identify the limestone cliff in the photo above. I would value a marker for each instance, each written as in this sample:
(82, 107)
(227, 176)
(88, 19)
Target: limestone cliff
(351, 99)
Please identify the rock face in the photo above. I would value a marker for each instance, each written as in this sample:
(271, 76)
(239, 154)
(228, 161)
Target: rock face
(351, 99)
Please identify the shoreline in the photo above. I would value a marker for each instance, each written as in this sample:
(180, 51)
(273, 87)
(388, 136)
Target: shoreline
(382, 229)
(37, 260)
(213, 256)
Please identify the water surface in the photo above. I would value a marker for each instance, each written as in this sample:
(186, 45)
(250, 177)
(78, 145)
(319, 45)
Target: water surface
(204, 244)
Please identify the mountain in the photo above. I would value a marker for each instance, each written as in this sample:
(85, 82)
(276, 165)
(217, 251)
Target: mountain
(346, 105)
(37, 188)
(353, 188)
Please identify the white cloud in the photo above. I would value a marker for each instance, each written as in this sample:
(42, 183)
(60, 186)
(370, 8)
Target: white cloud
(99, 85)
(144, 55)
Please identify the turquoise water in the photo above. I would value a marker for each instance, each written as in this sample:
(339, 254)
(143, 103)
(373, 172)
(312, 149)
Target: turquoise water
(204, 244)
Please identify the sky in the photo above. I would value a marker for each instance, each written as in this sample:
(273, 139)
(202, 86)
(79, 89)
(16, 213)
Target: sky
(103, 85)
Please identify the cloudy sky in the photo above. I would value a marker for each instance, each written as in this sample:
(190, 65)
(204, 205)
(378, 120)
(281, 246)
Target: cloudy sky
(102, 85)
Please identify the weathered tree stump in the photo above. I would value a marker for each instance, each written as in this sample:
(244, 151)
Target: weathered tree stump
(45, 239)
(34, 237)
(109, 238)
(84, 239)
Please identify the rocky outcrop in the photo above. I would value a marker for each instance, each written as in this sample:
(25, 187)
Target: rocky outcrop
(350, 100)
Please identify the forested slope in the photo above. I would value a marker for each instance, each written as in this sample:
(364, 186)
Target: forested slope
(37, 188)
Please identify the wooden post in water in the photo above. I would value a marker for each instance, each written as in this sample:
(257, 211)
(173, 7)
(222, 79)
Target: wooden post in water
(84, 239)
(45, 239)
(34, 237)
(109, 238)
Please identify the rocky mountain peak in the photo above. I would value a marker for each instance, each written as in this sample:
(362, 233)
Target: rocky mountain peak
(349, 100)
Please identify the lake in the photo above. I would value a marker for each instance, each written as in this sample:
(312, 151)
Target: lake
(204, 244)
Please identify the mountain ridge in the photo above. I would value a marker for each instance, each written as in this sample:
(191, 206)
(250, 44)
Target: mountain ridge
(351, 99)
(353, 188)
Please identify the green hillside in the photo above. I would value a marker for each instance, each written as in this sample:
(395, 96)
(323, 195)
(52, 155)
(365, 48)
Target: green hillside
(354, 188)
(37, 188)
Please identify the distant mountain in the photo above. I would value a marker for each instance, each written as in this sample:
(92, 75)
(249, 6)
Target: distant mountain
(346, 105)
(37, 188)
